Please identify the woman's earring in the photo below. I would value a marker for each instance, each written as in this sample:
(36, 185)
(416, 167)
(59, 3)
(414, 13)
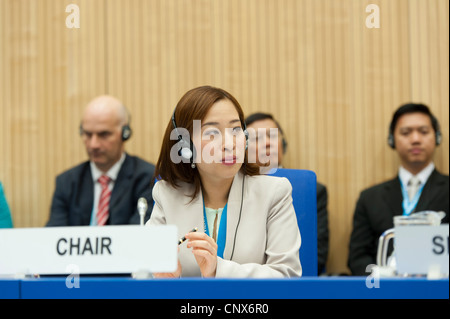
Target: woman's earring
(193, 165)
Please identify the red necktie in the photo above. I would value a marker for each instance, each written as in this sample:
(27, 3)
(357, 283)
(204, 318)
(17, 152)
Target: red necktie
(103, 203)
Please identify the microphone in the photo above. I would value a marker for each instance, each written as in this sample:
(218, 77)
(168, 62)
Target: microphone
(142, 208)
(186, 153)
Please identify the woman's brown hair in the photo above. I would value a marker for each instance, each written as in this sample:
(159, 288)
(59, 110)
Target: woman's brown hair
(194, 105)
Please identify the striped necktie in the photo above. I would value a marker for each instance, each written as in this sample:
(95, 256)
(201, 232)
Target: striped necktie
(413, 187)
(103, 203)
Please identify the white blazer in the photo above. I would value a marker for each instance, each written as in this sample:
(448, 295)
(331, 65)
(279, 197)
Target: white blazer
(267, 239)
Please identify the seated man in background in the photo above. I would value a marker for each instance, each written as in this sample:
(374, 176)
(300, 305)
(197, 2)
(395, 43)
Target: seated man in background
(5, 214)
(275, 151)
(104, 190)
(414, 133)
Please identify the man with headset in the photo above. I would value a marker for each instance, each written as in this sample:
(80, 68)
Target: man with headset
(414, 133)
(104, 190)
(277, 149)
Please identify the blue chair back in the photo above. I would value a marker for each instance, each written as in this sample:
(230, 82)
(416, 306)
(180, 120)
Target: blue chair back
(304, 195)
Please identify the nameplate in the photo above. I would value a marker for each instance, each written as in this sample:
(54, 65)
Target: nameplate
(88, 250)
(418, 248)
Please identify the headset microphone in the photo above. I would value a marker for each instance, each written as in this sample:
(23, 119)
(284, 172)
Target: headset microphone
(186, 153)
(187, 149)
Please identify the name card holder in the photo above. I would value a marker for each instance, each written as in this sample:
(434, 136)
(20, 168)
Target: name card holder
(420, 249)
(88, 250)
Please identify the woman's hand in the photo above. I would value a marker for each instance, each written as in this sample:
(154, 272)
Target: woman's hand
(205, 251)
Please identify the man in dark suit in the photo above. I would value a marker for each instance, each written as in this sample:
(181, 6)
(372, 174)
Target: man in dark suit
(80, 197)
(275, 153)
(414, 133)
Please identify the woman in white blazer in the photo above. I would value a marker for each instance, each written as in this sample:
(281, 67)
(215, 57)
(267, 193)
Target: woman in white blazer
(246, 222)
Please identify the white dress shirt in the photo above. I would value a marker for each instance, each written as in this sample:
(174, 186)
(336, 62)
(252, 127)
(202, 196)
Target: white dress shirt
(423, 175)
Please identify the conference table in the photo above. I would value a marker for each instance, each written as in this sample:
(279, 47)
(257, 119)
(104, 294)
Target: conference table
(197, 288)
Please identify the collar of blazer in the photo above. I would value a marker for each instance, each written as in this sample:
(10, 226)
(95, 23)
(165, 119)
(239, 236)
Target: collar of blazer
(393, 193)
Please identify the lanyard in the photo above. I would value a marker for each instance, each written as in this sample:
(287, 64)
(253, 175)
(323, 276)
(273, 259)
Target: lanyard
(410, 205)
(221, 239)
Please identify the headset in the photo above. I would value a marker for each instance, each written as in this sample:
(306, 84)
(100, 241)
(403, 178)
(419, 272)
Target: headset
(283, 143)
(187, 149)
(434, 124)
(125, 134)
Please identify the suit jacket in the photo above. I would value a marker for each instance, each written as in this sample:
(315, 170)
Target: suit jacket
(266, 242)
(376, 208)
(322, 227)
(73, 198)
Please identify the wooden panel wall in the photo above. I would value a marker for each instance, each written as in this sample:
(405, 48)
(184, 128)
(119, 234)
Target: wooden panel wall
(332, 83)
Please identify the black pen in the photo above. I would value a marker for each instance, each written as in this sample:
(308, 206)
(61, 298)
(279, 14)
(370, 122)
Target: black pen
(183, 239)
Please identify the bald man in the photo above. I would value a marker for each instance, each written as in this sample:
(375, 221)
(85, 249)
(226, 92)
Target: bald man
(104, 190)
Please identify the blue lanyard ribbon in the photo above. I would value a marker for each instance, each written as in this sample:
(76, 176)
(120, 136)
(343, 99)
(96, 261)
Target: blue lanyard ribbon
(410, 205)
(221, 239)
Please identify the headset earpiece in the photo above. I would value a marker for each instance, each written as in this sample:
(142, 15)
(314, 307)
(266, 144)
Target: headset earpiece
(284, 144)
(126, 132)
(246, 137)
(187, 149)
(185, 153)
(437, 131)
(391, 142)
(438, 138)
